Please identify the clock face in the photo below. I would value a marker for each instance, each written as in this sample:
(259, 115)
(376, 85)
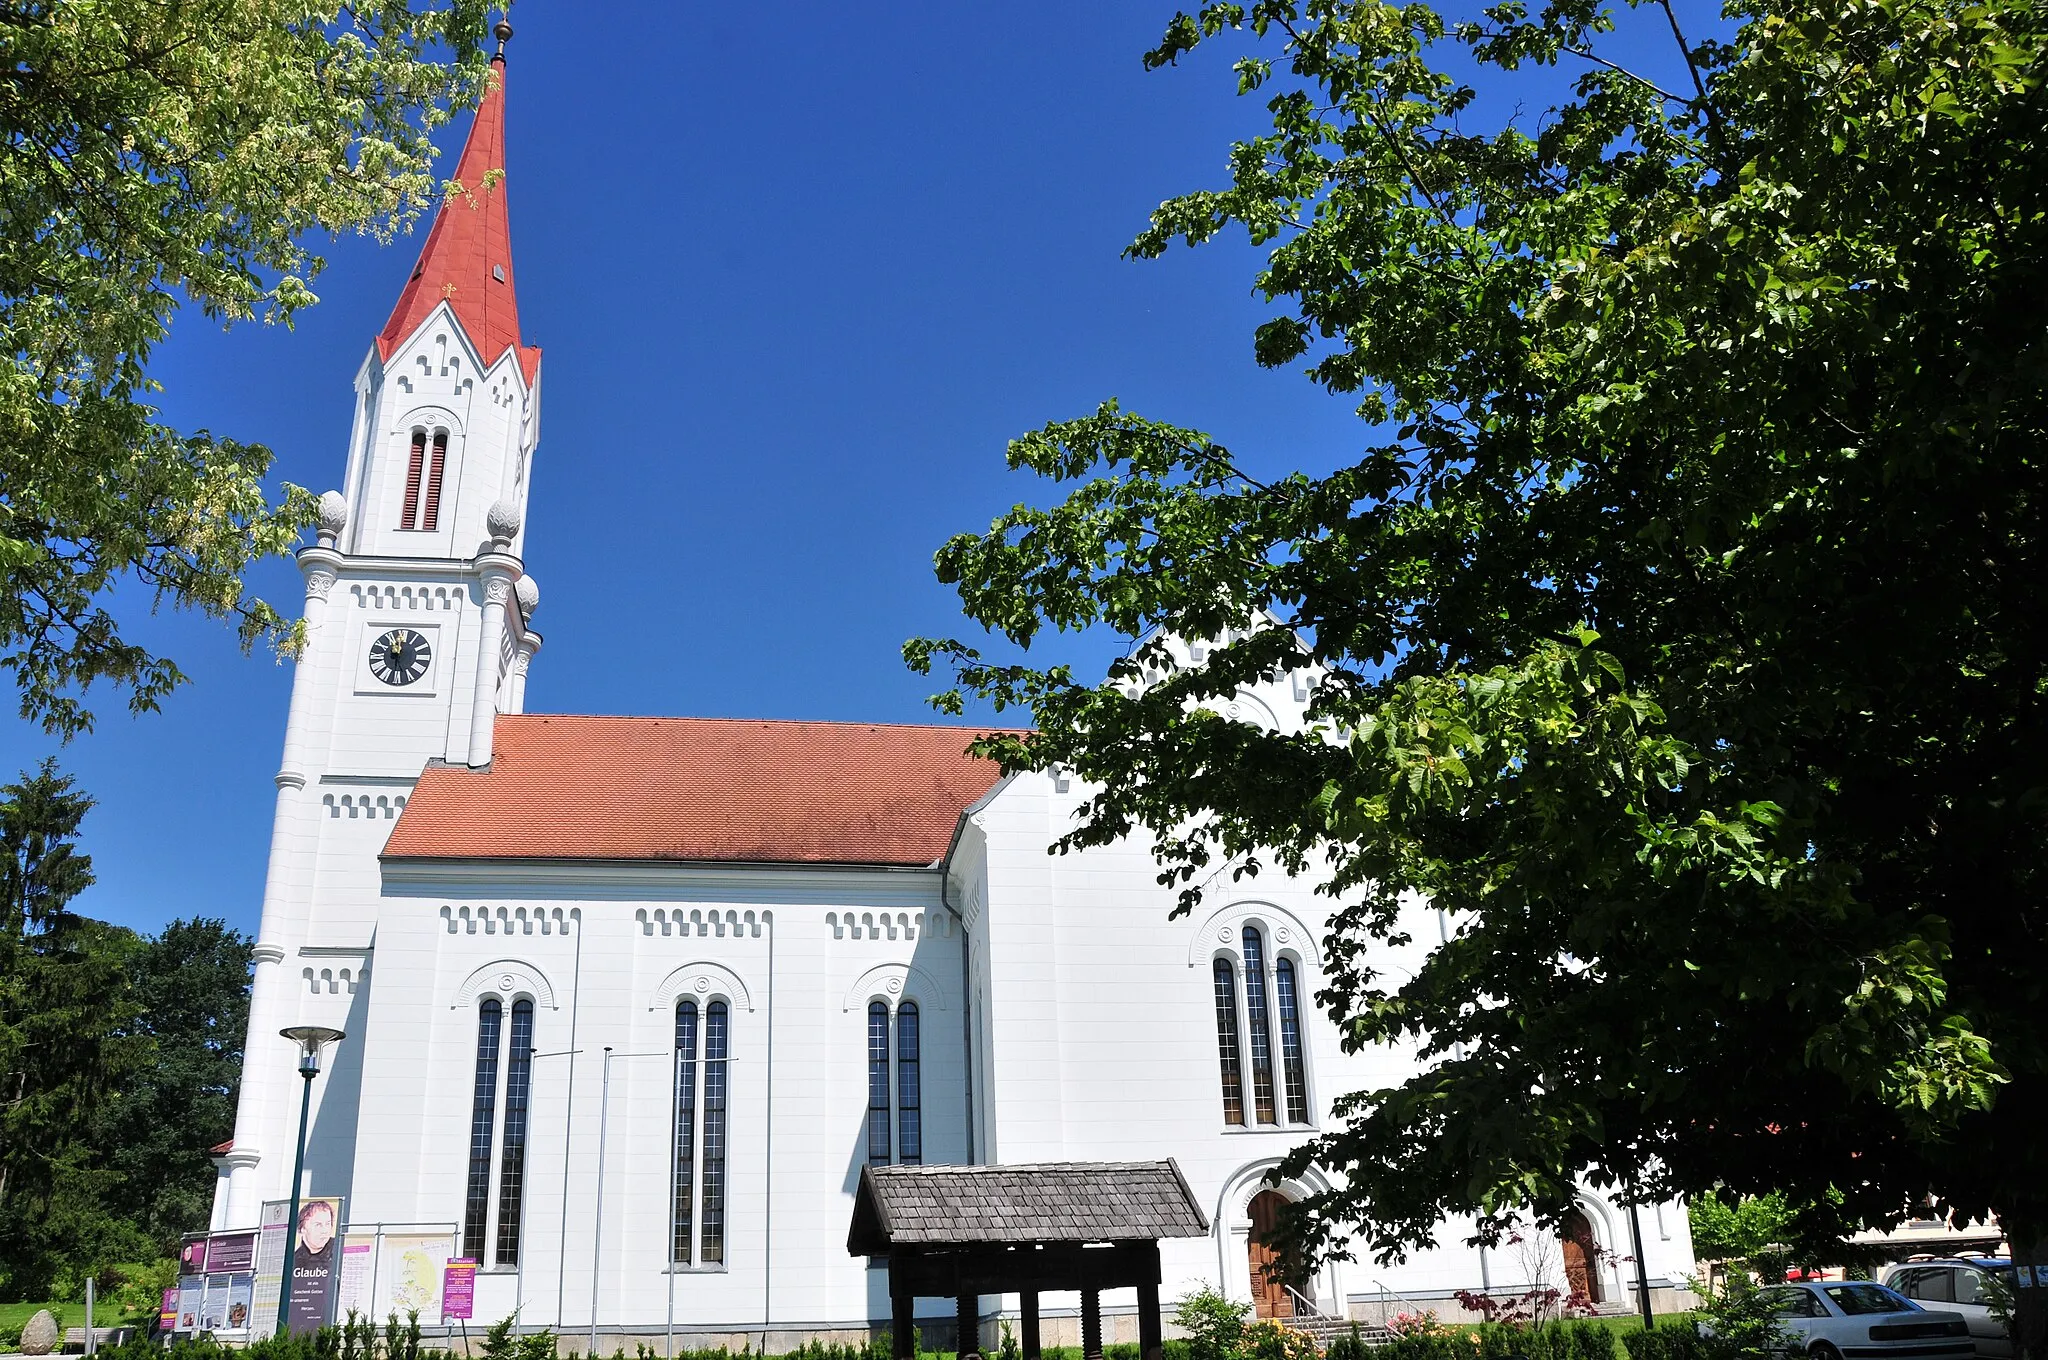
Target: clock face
(400, 657)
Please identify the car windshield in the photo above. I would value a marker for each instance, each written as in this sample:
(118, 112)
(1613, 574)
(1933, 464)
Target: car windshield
(1868, 1298)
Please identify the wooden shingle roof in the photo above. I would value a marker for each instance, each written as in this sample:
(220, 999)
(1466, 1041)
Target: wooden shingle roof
(1049, 1202)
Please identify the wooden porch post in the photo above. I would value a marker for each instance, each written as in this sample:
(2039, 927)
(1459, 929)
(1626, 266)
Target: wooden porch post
(902, 1326)
(1091, 1324)
(1150, 1344)
(1029, 1302)
(967, 1325)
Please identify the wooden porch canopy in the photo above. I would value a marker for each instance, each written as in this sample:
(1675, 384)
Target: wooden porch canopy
(963, 1231)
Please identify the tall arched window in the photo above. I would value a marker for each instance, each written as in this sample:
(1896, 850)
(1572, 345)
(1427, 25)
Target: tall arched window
(490, 1019)
(878, 1084)
(686, 1131)
(901, 1098)
(711, 1246)
(1229, 1055)
(1257, 1023)
(909, 1125)
(512, 1168)
(1291, 1070)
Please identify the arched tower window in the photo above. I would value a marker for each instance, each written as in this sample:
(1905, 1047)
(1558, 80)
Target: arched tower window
(430, 514)
(1258, 1024)
(1229, 1054)
(482, 1128)
(909, 1118)
(1294, 1077)
(878, 1084)
(415, 470)
(423, 478)
(512, 1171)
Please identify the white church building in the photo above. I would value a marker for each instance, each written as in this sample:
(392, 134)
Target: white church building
(630, 1002)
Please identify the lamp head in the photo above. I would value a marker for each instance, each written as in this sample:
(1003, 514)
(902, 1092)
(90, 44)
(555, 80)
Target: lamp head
(309, 1038)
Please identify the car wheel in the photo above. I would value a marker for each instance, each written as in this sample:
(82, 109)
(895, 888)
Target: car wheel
(1824, 1350)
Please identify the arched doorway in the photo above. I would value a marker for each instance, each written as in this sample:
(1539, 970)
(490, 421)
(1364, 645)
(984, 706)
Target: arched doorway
(1581, 1255)
(1269, 1274)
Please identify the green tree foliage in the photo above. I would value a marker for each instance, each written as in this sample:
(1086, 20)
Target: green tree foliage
(160, 155)
(1678, 623)
(1751, 1230)
(189, 989)
(119, 1059)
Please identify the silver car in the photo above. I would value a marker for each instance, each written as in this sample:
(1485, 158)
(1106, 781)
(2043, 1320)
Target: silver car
(1963, 1285)
(1858, 1320)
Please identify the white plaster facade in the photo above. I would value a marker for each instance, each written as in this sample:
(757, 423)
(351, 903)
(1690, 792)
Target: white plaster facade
(1065, 1016)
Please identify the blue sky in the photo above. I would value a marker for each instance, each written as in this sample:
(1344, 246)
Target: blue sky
(799, 270)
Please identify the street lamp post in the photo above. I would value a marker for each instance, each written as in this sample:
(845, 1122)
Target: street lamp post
(309, 1038)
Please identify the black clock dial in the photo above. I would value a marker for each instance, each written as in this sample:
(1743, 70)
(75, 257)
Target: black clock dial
(400, 657)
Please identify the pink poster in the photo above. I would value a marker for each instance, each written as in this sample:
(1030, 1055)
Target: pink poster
(458, 1288)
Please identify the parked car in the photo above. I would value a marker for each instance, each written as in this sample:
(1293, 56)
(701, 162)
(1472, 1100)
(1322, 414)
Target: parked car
(1959, 1284)
(1834, 1319)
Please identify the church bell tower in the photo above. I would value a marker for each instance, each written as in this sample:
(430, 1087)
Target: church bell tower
(417, 617)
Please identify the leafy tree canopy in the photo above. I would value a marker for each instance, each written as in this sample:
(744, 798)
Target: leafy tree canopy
(1678, 622)
(120, 1059)
(157, 155)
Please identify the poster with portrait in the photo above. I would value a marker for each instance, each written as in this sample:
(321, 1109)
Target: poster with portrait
(313, 1275)
(410, 1271)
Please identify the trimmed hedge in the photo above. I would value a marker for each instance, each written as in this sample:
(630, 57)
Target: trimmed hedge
(1571, 1339)
(1672, 1339)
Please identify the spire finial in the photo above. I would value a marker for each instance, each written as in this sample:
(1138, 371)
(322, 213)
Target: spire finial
(502, 30)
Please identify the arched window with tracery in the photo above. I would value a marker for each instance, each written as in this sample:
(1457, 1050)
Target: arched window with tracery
(1258, 1025)
(512, 1168)
(685, 1169)
(878, 1083)
(1229, 1055)
(483, 1127)
(909, 1116)
(711, 1243)
(895, 1085)
(1292, 1071)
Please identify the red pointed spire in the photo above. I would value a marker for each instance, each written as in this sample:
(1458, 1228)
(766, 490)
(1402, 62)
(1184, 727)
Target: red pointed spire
(468, 255)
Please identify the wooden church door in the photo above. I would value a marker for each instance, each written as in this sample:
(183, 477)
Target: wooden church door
(1270, 1298)
(1581, 1255)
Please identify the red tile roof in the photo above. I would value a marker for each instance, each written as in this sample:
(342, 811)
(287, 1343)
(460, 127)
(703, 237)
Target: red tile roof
(701, 789)
(468, 255)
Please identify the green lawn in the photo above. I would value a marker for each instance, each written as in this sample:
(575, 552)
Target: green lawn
(13, 1316)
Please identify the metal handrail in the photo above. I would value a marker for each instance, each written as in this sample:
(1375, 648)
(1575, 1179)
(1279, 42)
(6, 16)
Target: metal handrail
(1385, 1292)
(1303, 1302)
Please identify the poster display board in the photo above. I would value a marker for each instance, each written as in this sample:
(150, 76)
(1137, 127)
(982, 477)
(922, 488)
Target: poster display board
(191, 1292)
(269, 1267)
(167, 1311)
(313, 1275)
(231, 1253)
(358, 1276)
(458, 1289)
(410, 1271)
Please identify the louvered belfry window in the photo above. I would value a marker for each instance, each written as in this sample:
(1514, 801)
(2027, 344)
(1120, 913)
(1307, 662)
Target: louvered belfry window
(430, 514)
(415, 468)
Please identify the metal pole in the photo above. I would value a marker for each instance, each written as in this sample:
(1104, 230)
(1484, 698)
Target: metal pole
(291, 1223)
(89, 1348)
(1635, 1234)
(604, 1114)
(674, 1094)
